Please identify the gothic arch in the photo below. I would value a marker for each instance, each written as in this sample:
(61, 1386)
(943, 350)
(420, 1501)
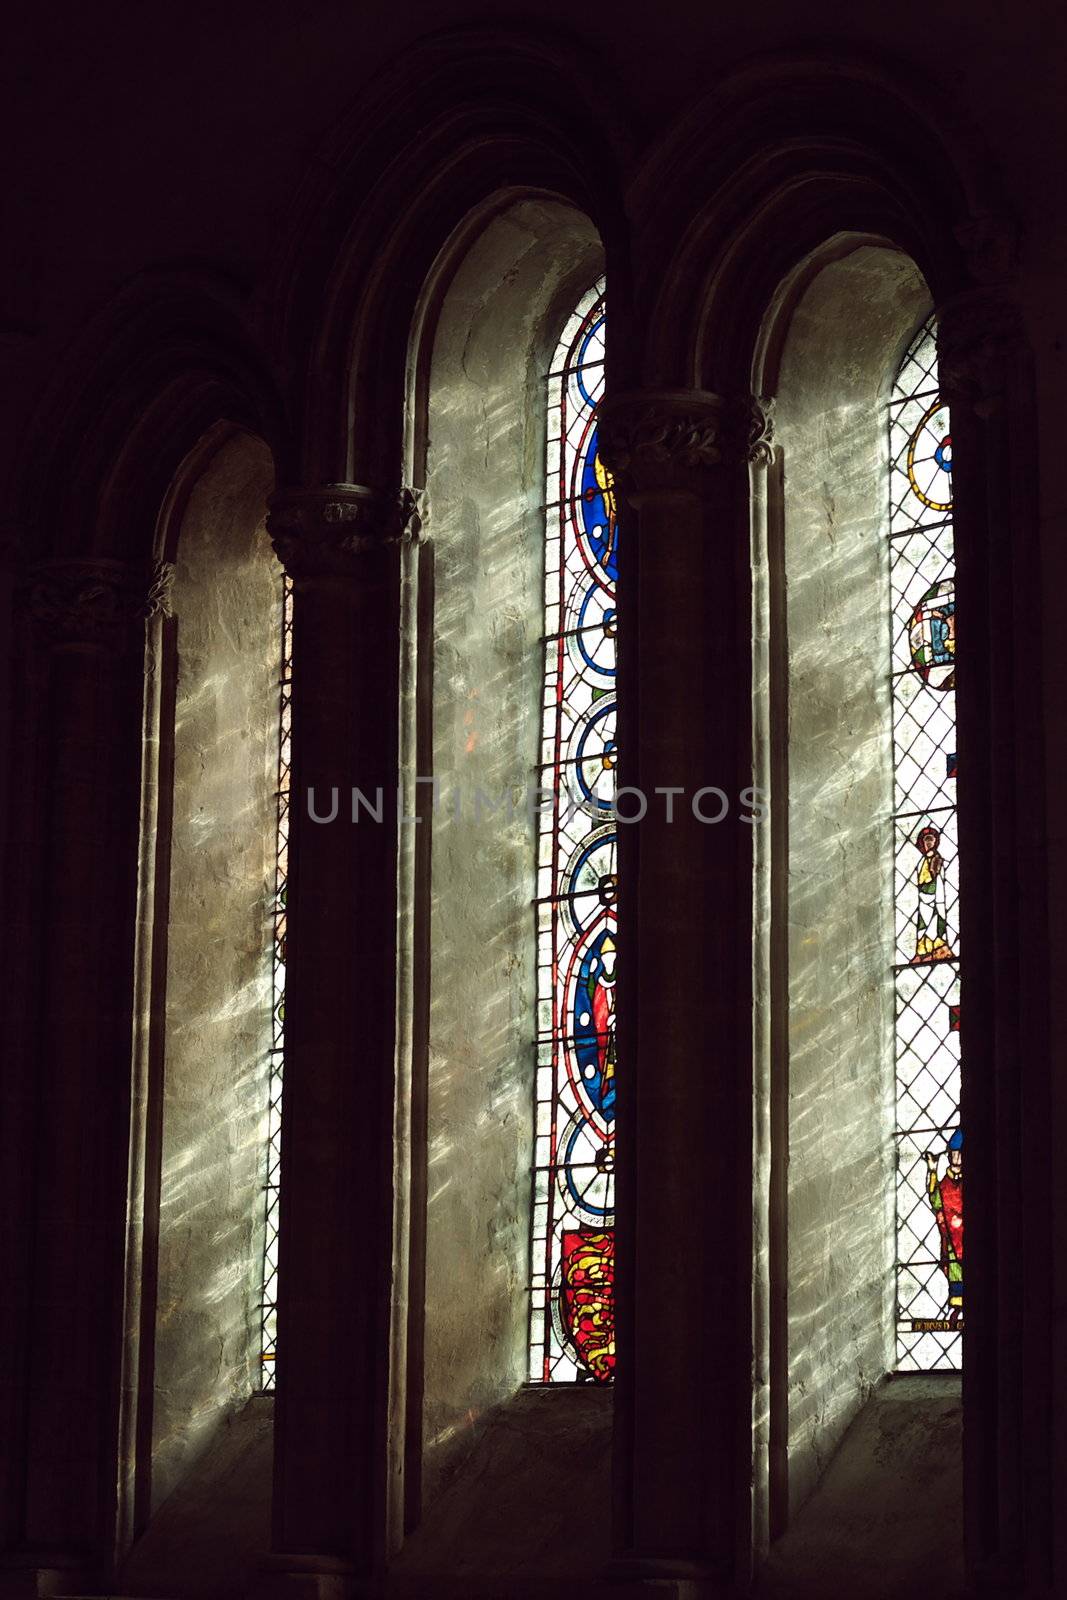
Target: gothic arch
(165, 374)
(802, 161)
(790, 151)
(481, 347)
(203, 1004)
(786, 158)
(171, 355)
(817, 163)
(821, 648)
(453, 133)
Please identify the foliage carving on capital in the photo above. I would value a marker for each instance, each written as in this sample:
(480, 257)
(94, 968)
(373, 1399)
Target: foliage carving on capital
(324, 532)
(666, 439)
(97, 602)
(759, 450)
(979, 337)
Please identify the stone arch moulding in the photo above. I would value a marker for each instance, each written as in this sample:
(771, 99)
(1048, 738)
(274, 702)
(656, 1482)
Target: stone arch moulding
(482, 341)
(836, 337)
(468, 121)
(168, 361)
(208, 818)
(457, 131)
(830, 149)
(787, 152)
(173, 353)
(394, 649)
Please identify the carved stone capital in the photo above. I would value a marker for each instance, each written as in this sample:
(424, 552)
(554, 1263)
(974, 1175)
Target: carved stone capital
(759, 446)
(979, 335)
(667, 439)
(98, 603)
(323, 533)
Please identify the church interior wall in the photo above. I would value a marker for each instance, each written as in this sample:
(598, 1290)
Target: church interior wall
(226, 644)
(839, 358)
(136, 197)
(892, 1484)
(485, 463)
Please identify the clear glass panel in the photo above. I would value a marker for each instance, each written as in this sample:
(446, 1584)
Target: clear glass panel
(268, 1334)
(929, 1138)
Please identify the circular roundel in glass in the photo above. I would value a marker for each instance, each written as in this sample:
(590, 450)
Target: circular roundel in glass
(593, 492)
(592, 646)
(586, 1171)
(589, 356)
(596, 758)
(590, 1012)
(932, 636)
(930, 459)
(589, 879)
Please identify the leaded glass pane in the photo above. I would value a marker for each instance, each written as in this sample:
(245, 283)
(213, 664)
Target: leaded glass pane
(268, 1335)
(572, 1323)
(929, 1138)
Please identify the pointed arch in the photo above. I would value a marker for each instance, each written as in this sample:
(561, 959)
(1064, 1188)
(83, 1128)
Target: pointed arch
(781, 155)
(172, 355)
(462, 127)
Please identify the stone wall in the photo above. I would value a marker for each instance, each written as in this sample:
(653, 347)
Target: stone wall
(888, 1507)
(485, 493)
(840, 354)
(218, 1002)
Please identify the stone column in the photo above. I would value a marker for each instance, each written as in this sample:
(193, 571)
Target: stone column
(342, 1294)
(684, 1225)
(1015, 1197)
(71, 959)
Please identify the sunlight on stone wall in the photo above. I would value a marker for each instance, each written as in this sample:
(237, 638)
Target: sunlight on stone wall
(485, 467)
(839, 357)
(226, 595)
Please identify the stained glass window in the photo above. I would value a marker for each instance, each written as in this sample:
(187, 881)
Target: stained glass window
(268, 1337)
(572, 1324)
(929, 1136)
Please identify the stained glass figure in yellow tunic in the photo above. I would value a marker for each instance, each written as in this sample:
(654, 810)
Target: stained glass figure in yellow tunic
(931, 922)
